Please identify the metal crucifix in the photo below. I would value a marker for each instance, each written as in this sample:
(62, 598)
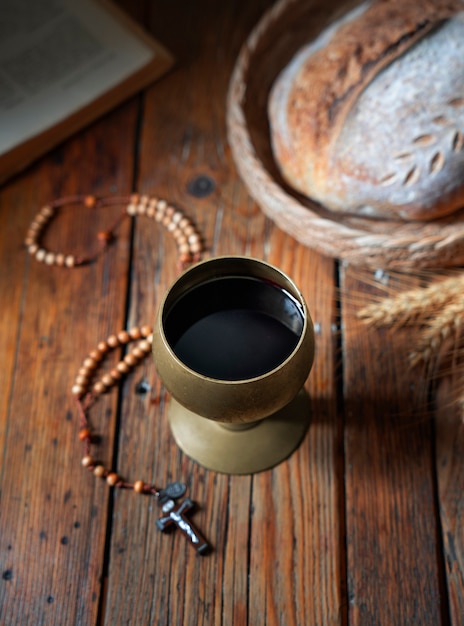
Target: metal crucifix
(176, 514)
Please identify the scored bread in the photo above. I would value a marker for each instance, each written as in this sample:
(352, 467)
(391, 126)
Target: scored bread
(368, 118)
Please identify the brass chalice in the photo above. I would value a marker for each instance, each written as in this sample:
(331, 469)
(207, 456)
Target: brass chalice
(234, 343)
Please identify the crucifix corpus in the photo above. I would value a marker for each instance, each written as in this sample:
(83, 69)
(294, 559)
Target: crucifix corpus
(175, 514)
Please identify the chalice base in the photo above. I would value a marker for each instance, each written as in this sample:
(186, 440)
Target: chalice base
(240, 448)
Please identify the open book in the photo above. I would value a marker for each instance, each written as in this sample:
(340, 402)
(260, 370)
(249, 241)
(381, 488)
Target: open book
(63, 63)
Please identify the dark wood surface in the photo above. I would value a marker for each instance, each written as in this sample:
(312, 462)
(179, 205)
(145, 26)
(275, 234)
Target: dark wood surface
(362, 525)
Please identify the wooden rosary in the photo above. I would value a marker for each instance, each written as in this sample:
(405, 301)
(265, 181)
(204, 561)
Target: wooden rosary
(186, 236)
(86, 389)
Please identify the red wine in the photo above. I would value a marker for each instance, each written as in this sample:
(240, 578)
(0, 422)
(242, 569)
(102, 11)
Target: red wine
(234, 328)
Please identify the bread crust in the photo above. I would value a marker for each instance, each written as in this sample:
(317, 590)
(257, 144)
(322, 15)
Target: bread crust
(316, 95)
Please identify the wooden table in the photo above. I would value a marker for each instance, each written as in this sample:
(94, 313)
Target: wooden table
(363, 524)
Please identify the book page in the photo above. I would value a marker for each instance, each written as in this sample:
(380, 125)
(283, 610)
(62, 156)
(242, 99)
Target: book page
(57, 56)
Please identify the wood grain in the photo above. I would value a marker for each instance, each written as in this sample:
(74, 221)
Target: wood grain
(393, 572)
(246, 521)
(449, 447)
(305, 578)
(361, 525)
(53, 520)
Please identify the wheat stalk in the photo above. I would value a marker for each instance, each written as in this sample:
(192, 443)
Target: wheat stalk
(439, 310)
(409, 306)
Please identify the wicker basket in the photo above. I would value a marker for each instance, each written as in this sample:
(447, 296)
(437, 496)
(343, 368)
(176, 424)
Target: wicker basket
(356, 240)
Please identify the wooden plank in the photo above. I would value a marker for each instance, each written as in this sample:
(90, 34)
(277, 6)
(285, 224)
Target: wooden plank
(14, 221)
(183, 146)
(53, 514)
(296, 562)
(449, 446)
(391, 524)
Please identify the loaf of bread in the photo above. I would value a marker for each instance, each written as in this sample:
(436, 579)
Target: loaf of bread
(368, 118)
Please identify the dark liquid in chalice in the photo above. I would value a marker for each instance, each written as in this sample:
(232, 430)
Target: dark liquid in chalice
(234, 328)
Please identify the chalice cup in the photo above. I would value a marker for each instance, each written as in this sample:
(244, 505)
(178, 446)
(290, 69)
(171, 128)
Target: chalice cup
(233, 343)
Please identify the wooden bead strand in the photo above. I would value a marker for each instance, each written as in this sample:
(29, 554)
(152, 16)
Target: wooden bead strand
(88, 386)
(86, 390)
(187, 238)
(86, 372)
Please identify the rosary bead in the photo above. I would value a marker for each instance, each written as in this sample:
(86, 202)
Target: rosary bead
(184, 222)
(145, 330)
(99, 471)
(96, 355)
(195, 247)
(90, 201)
(107, 380)
(35, 227)
(135, 332)
(177, 216)
(189, 230)
(132, 206)
(69, 261)
(99, 387)
(138, 352)
(171, 227)
(170, 210)
(145, 346)
(85, 434)
(40, 254)
(87, 461)
(184, 248)
(184, 258)
(112, 341)
(81, 380)
(161, 205)
(104, 236)
(179, 235)
(122, 367)
(166, 221)
(151, 209)
(59, 259)
(123, 336)
(49, 258)
(139, 486)
(32, 249)
(41, 219)
(159, 216)
(103, 347)
(77, 390)
(47, 211)
(112, 479)
(130, 359)
(115, 374)
(90, 363)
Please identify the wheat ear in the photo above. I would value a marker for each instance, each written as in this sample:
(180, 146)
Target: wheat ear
(408, 306)
(439, 329)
